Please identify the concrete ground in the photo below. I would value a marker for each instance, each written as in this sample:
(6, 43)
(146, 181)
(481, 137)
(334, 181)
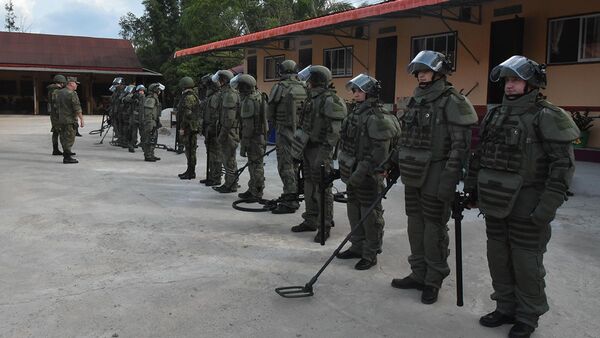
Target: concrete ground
(118, 247)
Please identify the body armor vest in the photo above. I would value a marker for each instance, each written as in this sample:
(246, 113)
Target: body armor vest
(354, 146)
(253, 115)
(290, 98)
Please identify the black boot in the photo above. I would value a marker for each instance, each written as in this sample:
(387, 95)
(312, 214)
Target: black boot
(365, 264)
(319, 235)
(187, 171)
(429, 295)
(495, 319)
(226, 189)
(407, 283)
(212, 183)
(190, 175)
(68, 159)
(245, 195)
(55, 151)
(521, 330)
(131, 150)
(303, 227)
(348, 255)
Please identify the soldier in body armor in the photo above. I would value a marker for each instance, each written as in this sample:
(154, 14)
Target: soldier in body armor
(210, 118)
(285, 104)
(315, 142)
(368, 135)
(135, 105)
(125, 108)
(188, 110)
(432, 151)
(59, 83)
(118, 86)
(253, 132)
(150, 120)
(228, 129)
(520, 172)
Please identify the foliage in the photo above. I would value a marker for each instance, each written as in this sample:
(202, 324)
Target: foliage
(583, 121)
(11, 18)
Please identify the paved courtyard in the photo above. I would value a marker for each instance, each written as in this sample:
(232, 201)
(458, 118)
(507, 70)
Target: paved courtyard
(118, 247)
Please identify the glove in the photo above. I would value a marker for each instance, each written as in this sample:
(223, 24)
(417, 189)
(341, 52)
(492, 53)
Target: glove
(447, 187)
(158, 124)
(243, 150)
(545, 211)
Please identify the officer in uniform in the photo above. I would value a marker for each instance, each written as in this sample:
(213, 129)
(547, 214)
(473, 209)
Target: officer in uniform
(315, 142)
(188, 110)
(119, 85)
(135, 102)
(521, 172)
(53, 88)
(210, 114)
(368, 135)
(150, 120)
(125, 109)
(69, 110)
(433, 148)
(228, 129)
(254, 127)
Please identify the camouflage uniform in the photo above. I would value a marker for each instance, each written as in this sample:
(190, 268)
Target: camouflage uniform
(190, 124)
(68, 105)
(52, 91)
(213, 149)
(149, 121)
(228, 135)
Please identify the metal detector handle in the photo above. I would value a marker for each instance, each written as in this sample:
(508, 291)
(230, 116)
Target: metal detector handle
(208, 139)
(323, 188)
(457, 210)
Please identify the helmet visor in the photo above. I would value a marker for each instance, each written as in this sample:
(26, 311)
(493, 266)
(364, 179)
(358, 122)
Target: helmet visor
(112, 88)
(140, 87)
(215, 78)
(234, 83)
(161, 87)
(516, 65)
(304, 74)
(117, 80)
(430, 59)
(362, 81)
(129, 89)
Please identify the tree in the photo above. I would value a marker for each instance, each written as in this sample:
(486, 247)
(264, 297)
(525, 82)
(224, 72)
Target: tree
(11, 18)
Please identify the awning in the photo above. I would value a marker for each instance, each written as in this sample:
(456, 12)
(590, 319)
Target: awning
(115, 71)
(340, 18)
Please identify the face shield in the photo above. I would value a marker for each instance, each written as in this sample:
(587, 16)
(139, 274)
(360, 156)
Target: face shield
(363, 82)
(516, 65)
(235, 82)
(215, 78)
(426, 59)
(304, 74)
(161, 87)
(129, 89)
(112, 88)
(140, 87)
(117, 81)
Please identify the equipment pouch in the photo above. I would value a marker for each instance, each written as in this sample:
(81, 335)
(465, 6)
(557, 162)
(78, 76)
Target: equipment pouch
(299, 143)
(413, 165)
(498, 192)
(346, 163)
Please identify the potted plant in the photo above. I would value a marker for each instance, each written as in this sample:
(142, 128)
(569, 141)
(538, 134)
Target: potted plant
(584, 123)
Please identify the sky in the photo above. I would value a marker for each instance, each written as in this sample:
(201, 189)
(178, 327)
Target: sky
(95, 18)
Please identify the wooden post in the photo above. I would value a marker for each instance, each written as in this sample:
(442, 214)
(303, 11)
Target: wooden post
(36, 104)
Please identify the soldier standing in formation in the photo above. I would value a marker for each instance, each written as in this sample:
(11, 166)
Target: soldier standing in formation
(69, 110)
(285, 104)
(188, 111)
(210, 115)
(150, 120)
(521, 171)
(315, 143)
(433, 148)
(228, 129)
(254, 127)
(368, 135)
(135, 104)
(59, 83)
(118, 86)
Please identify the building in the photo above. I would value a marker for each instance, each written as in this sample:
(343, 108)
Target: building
(381, 39)
(28, 62)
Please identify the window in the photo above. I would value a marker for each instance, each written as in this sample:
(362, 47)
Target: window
(339, 61)
(271, 63)
(444, 43)
(574, 39)
(8, 87)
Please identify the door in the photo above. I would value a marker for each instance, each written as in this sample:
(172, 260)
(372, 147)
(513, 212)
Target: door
(304, 58)
(385, 67)
(506, 40)
(251, 65)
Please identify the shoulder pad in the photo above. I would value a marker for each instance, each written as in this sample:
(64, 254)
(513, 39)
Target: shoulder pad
(230, 99)
(383, 126)
(335, 107)
(275, 96)
(403, 106)
(555, 124)
(149, 102)
(459, 110)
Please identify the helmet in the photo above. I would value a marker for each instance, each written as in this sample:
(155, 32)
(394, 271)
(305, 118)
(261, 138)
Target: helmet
(523, 68)
(129, 89)
(140, 87)
(222, 75)
(366, 84)
(245, 82)
(60, 78)
(429, 60)
(319, 75)
(205, 80)
(186, 82)
(118, 81)
(287, 67)
(156, 87)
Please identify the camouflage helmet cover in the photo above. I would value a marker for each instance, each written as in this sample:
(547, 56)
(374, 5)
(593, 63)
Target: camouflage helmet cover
(287, 67)
(58, 78)
(243, 79)
(186, 82)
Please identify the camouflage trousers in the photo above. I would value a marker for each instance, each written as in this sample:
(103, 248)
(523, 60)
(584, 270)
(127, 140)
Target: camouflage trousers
(428, 236)
(54, 130)
(255, 150)
(213, 157)
(367, 239)
(67, 137)
(229, 140)
(146, 131)
(314, 156)
(134, 127)
(287, 168)
(125, 130)
(515, 252)
(190, 141)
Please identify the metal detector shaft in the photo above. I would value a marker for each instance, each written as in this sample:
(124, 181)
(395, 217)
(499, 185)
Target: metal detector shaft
(207, 155)
(307, 290)
(322, 227)
(241, 170)
(457, 211)
(107, 129)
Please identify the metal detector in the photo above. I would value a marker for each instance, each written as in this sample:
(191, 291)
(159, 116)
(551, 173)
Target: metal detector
(307, 289)
(457, 214)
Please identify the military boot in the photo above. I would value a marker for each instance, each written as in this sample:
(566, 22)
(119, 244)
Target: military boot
(211, 183)
(429, 295)
(149, 159)
(495, 319)
(185, 173)
(520, 330)
(156, 158)
(68, 159)
(365, 264)
(131, 150)
(303, 227)
(226, 188)
(245, 195)
(319, 235)
(407, 283)
(189, 176)
(204, 180)
(55, 150)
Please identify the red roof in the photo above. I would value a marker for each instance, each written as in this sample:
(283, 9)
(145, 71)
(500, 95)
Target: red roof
(25, 50)
(328, 20)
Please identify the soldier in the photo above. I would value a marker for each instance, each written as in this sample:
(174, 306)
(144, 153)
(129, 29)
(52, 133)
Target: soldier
(59, 83)
(150, 120)
(69, 110)
(188, 110)
(118, 86)
(136, 101)
(521, 172)
(285, 102)
(210, 118)
(228, 129)
(368, 135)
(125, 108)
(315, 143)
(254, 127)
(433, 147)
